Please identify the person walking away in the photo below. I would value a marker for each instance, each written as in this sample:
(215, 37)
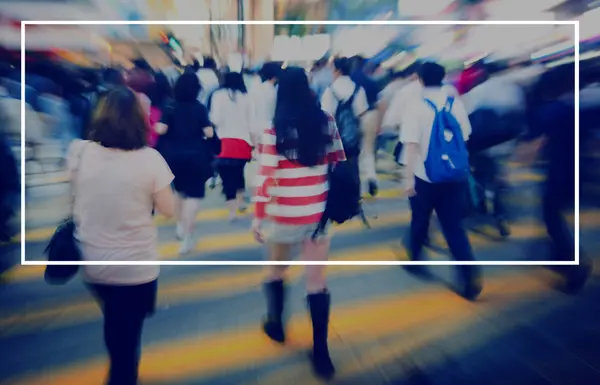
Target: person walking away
(389, 131)
(160, 95)
(496, 108)
(292, 181)
(230, 113)
(411, 90)
(263, 99)
(370, 121)
(9, 182)
(188, 143)
(117, 182)
(553, 127)
(434, 132)
(209, 80)
(347, 102)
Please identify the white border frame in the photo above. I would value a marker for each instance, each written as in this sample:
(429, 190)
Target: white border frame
(574, 23)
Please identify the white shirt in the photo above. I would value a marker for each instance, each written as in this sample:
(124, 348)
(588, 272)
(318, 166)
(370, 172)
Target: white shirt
(390, 91)
(230, 113)
(404, 97)
(209, 81)
(342, 89)
(498, 94)
(263, 98)
(418, 121)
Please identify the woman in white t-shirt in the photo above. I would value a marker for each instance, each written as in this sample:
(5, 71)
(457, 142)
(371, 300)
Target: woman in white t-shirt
(230, 113)
(118, 181)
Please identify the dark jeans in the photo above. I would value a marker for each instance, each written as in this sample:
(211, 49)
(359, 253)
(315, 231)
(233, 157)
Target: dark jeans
(558, 196)
(125, 309)
(447, 199)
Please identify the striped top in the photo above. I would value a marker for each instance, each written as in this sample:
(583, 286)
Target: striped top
(289, 193)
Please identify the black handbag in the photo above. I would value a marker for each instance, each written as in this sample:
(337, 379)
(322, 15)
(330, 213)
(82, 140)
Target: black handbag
(63, 246)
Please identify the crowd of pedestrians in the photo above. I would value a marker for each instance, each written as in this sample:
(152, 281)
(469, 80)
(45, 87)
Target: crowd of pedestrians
(152, 141)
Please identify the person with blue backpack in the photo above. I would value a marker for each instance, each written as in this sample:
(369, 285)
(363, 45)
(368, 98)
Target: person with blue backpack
(435, 129)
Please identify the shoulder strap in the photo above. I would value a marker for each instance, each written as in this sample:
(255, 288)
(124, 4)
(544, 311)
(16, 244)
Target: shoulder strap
(447, 107)
(350, 99)
(449, 103)
(431, 104)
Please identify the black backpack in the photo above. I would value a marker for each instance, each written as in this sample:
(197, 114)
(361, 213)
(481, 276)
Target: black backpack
(344, 199)
(349, 125)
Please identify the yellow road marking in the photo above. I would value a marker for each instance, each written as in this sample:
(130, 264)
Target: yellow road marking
(219, 284)
(359, 322)
(223, 242)
(41, 234)
(208, 215)
(240, 241)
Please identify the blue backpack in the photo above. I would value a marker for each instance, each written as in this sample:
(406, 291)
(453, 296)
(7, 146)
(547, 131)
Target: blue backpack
(447, 156)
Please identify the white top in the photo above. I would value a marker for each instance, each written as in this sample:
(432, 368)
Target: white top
(263, 99)
(343, 87)
(498, 94)
(418, 121)
(390, 91)
(403, 97)
(230, 113)
(209, 81)
(113, 209)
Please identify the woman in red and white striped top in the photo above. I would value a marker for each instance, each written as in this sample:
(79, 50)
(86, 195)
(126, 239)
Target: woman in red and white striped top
(292, 186)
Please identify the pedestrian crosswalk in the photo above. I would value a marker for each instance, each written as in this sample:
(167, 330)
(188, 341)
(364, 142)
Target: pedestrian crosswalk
(206, 329)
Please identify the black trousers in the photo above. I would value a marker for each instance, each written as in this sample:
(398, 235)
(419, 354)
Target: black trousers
(125, 309)
(447, 199)
(559, 195)
(232, 176)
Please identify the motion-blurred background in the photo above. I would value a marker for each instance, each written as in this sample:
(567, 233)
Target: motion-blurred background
(387, 327)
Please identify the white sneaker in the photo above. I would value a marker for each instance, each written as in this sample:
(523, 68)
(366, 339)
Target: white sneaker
(187, 245)
(179, 231)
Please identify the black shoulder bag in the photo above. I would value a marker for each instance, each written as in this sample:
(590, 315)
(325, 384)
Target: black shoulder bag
(63, 246)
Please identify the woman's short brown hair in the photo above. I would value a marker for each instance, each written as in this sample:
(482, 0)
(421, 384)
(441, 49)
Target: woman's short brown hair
(119, 121)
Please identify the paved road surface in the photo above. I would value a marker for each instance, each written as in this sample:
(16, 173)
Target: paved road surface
(387, 327)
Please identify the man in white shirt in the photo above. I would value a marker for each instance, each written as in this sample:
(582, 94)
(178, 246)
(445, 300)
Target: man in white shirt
(447, 199)
(411, 91)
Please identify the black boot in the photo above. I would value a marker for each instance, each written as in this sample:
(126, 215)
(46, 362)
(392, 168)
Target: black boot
(273, 324)
(319, 305)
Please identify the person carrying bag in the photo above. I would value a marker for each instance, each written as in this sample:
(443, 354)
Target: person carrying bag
(63, 246)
